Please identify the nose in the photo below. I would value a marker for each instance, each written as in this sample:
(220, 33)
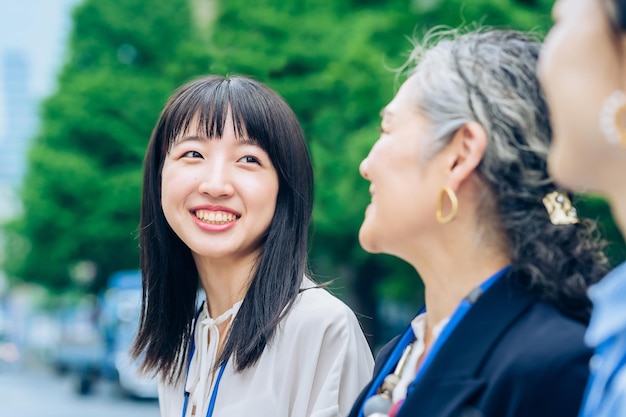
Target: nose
(363, 167)
(216, 181)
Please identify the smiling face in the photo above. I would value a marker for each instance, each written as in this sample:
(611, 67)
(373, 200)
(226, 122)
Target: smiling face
(579, 68)
(218, 194)
(404, 183)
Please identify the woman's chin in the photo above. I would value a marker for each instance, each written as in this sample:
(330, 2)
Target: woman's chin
(367, 240)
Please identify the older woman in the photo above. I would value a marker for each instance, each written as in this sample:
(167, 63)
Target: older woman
(460, 190)
(583, 71)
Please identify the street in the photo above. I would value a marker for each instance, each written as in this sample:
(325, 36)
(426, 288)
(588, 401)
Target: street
(37, 392)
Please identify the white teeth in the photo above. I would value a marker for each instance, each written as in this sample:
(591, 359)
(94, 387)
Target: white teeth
(213, 217)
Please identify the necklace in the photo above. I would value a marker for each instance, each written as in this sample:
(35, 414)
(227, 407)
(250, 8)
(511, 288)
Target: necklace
(380, 404)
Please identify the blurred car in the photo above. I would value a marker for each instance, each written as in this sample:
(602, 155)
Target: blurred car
(80, 350)
(120, 319)
(96, 339)
(9, 352)
(131, 381)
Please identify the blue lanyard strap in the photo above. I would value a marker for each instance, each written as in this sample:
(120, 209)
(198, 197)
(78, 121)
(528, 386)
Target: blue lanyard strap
(216, 387)
(408, 337)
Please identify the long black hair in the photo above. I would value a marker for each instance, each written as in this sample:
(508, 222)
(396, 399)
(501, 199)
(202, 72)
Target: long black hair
(170, 277)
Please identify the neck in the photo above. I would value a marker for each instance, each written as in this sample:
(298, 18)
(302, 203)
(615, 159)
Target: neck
(444, 294)
(450, 278)
(225, 281)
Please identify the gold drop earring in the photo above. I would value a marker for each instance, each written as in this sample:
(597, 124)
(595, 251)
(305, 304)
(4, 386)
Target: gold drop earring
(447, 191)
(613, 118)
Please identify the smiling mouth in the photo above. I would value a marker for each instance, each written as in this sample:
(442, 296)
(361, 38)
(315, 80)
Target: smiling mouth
(215, 217)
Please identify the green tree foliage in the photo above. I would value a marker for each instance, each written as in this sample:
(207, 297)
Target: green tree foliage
(82, 191)
(510, 14)
(332, 60)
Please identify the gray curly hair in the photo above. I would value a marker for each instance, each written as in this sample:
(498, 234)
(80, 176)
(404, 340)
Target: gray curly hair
(489, 77)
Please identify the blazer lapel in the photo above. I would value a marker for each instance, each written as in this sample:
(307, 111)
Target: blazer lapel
(445, 398)
(453, 376)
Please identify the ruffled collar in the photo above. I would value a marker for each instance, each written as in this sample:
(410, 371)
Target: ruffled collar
(200, 377)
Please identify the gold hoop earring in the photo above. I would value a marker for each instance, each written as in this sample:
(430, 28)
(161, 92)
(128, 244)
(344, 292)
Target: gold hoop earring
(613, 118)
(453, 200)
(560, 208)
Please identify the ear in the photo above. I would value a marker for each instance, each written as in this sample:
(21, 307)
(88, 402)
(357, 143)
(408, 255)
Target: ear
(466, 150)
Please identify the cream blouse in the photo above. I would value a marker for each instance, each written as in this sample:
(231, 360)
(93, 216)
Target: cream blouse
(316, 365)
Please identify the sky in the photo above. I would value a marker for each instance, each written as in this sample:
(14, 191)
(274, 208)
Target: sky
(39, 28)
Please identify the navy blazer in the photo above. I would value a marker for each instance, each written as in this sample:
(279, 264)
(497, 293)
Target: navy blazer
(511, 355)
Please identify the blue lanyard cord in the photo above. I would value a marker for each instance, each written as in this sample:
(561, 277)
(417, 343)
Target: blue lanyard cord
(209, 412)
(216, 387)
(408, 337)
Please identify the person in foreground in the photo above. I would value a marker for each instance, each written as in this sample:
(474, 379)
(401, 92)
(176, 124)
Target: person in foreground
(460, 190)
(226, 207)
(583, 72)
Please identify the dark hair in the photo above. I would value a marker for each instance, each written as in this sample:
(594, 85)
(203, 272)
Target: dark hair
(489, 76)
(170, 277)
(616, 11)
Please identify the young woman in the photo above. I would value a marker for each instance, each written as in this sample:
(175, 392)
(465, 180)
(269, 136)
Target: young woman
(460, 190)
(583, 72)
(226, 206)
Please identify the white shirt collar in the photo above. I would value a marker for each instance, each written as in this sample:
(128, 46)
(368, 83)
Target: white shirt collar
(206, 339)
(418, 324)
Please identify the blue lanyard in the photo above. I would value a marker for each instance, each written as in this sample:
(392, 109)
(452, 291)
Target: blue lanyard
(408, 337)
(216, 387)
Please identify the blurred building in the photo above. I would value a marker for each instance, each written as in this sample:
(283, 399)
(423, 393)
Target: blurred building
(20, 118)
(19, 125)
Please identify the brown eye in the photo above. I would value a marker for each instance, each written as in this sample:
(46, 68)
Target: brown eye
(250, 160)
(192, 154)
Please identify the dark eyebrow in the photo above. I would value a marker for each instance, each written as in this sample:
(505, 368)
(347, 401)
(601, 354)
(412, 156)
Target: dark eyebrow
(188, 138)
(244, 140)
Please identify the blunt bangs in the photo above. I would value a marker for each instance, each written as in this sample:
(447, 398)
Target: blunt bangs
(204, 105)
